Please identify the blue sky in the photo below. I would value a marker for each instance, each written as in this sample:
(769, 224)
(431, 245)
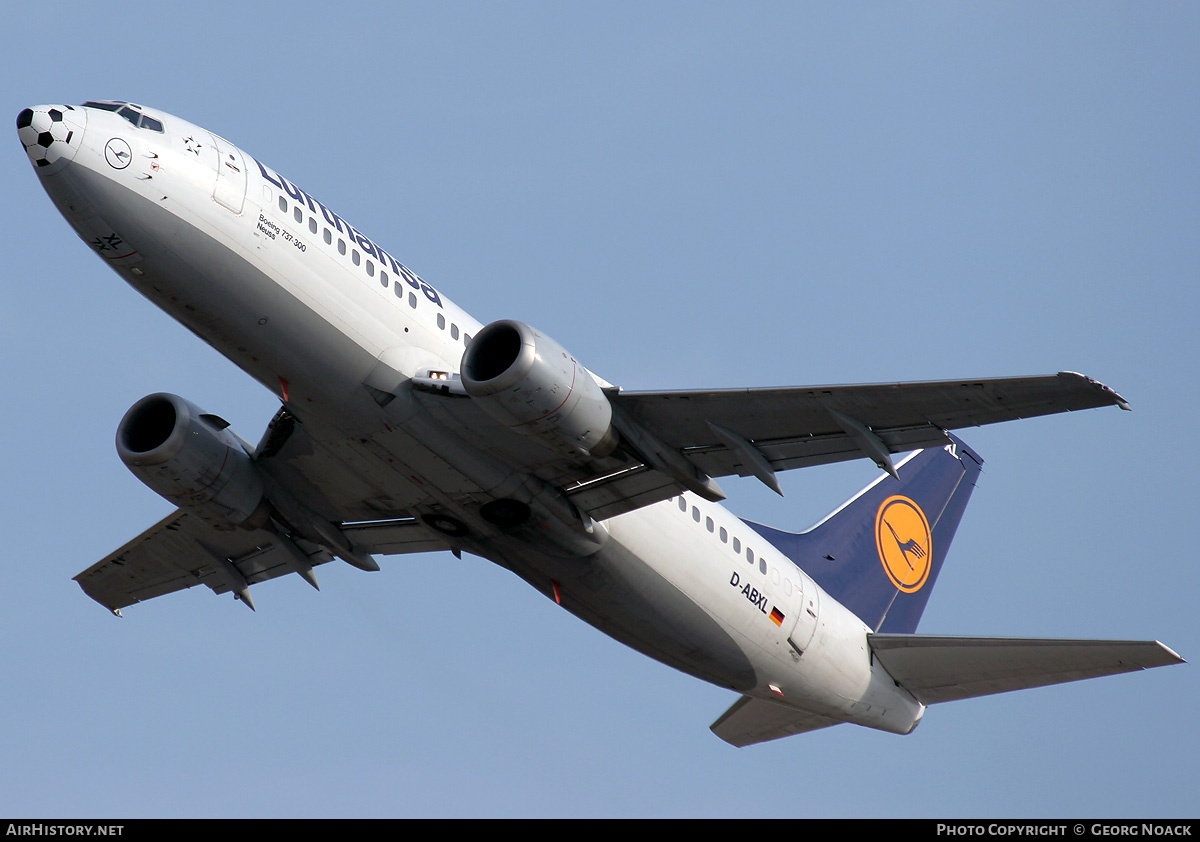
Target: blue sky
(684, 195)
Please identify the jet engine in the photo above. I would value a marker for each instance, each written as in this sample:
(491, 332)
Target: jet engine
(530, 384)
(192, 459)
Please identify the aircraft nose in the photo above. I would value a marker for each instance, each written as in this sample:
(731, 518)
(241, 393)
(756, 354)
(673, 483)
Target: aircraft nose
(51, 135)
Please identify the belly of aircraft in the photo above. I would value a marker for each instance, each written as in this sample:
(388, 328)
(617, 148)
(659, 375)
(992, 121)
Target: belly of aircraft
(207, 283)
(625, 597)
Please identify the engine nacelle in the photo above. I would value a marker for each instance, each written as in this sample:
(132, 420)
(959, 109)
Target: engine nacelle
(192, 459)
(530, 384)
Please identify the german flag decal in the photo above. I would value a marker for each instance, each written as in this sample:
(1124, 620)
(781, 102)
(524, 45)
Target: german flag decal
(776, 617)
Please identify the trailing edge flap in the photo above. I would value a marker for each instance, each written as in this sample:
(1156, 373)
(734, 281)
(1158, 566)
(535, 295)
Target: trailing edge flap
(942, 669)
(751, 721)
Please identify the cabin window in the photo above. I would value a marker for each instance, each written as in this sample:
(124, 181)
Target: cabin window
(328, 236)
(283, 204)
(412, 299)
(441, 320)
(453, 331)
(682, 505)
(341, 246)
(466, 339)
(695, 514)
(749, 555)
(724, 536)
(737, 545)
(355, 256)
(312, 225)
(708, 524)
(762, 566)
(297, 214)
(383, 279)
(399, 290)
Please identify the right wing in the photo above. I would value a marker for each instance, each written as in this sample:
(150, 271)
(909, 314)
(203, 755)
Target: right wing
(181, 551)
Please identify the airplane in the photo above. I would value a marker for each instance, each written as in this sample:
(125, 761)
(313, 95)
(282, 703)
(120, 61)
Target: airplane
(407, 426)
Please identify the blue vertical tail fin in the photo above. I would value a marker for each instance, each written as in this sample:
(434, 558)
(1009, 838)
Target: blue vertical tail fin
(879, 554)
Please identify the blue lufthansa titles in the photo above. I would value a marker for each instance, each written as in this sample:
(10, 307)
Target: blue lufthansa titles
(344, 227)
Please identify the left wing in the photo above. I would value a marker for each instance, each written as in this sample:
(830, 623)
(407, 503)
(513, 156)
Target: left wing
(756, 432)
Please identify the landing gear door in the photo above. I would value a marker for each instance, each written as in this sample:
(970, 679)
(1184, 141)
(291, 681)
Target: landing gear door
(230, 190)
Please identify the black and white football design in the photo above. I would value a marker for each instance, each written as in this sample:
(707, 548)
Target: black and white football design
(49, 133)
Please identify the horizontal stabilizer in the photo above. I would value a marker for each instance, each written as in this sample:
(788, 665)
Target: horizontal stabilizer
(943, 669)
(751, 721)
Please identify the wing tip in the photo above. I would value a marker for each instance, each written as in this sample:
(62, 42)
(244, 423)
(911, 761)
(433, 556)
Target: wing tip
(1173, 656)
(1113, 398)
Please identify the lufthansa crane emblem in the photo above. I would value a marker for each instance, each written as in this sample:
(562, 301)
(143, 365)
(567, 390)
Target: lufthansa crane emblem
(117, 153)
(905, 543)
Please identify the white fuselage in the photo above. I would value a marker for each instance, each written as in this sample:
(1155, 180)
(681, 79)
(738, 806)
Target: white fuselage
(316, 312)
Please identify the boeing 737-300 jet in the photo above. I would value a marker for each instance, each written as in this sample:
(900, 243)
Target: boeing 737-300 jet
(406, 426)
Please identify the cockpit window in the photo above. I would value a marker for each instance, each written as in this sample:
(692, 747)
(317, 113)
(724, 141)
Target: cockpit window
(129, 111)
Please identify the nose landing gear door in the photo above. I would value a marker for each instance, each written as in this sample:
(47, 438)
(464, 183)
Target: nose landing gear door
(230, 189)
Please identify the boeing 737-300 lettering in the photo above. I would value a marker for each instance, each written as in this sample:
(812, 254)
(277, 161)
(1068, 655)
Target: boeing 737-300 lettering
(406, 426)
